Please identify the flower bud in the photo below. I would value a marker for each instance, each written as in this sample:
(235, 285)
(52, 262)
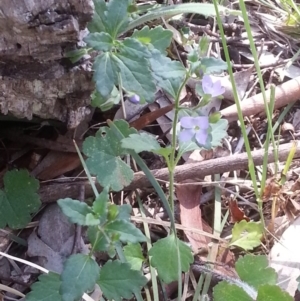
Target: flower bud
(134, 99)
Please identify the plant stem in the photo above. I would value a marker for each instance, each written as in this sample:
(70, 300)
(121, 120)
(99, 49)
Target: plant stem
(172, 165)
(173, 161)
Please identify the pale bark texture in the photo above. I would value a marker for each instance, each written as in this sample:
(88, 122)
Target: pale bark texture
(35, 78)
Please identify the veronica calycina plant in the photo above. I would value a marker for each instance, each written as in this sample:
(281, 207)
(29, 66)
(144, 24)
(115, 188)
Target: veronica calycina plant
(138, 66)
(191, 130)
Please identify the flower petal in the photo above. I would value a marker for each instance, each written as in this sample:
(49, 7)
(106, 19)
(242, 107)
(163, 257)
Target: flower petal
(201, 137)
(186, 135)
(187, 122)
(207, 80)
(212, 86)
(218, 89)
(207, 84)
(202, 122)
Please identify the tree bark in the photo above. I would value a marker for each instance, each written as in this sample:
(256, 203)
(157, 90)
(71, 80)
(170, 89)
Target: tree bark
(35, 78)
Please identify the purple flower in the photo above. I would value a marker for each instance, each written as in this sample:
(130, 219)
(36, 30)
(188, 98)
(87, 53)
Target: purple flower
(212, 86)
(194, 127)
(134, 99)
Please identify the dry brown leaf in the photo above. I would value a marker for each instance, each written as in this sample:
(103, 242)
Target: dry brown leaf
(272, 188)
(190, 213)
(148, 118)
(56, 164)
(236, 214)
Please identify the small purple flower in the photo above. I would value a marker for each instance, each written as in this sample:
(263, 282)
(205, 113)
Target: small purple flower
(212, 86)
(194, 127)
(134, 99)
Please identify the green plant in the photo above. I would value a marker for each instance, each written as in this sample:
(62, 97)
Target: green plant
(138, 64)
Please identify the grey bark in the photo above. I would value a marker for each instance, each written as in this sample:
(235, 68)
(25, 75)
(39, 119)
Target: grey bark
(35, 79)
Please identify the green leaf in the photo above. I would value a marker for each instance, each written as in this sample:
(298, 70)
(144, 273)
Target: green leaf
(164, 151)
(118, 281)
(18, 199)
(79, 275)
(255, 271)
(91, 220)
(246, 235)
(218, 132)
(159, 37)
(171, 85)
(213, 65)
(193, 56)
(205, 9)
(105, 74)
(127, 231)
(105, 103)
(140, 142)
(272, 293)
(97, 239)
(75, 210)
(169, 75)
(187, 147)
(76, 55)
(103, 151)
(196, 69)
(100, 205)
(164, 67)
(113, 211)
(134, 256)
(117, 17)
(165, 259)
(203, 45)
(134, 48)
(46, 289)
(136, 76)
(124, 212)
(225, 291)
(99, 20)
(99, 41)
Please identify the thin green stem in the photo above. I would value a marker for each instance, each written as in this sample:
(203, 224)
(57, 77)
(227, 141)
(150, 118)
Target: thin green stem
(172, 165)
(173, 160)
(121, 95)
(96, 193)
(199, 105)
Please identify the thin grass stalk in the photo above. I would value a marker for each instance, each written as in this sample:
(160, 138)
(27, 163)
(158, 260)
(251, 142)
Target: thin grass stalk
(266, 146)
(149, 246)
(281, 116)
(257, 67)
(218, 209)
(198, 288)
(206, 285)
(237, 101)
